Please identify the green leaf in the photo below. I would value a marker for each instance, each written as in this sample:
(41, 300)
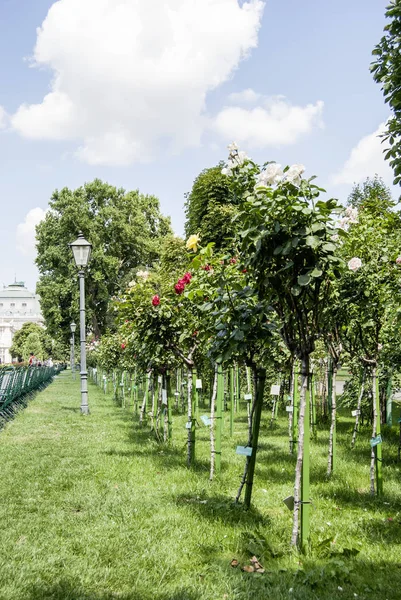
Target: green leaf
(296, 290)
(329, 247)
(316, 272)
(304, 279)
(312, 240)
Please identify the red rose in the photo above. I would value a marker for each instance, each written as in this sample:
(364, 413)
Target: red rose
(186, 279)
(244, 270)
(179, 287)
(233, 261)
(195, 333)
(206, 267)
(123, 346)
(156, 300)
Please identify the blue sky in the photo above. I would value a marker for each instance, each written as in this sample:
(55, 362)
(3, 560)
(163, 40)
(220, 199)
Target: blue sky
(309, 52)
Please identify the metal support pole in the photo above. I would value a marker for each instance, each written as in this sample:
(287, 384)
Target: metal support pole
(73, 356)
(84, 373)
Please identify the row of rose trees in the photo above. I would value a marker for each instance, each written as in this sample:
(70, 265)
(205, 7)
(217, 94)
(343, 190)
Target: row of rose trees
(307, 286)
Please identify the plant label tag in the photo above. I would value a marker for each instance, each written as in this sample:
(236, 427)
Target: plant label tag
(198, 384)
(375, 441)
(244, 450)
(160, 379)
(164, 397)
(247, 396)
(176, 393)
(275, 390)
(289, 502)
(289, 409)
(355, 413)
(206, 420)
(188, 425)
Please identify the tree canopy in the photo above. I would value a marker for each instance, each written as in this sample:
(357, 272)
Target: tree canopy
(125, 229)
(210, 208)
(386, 70)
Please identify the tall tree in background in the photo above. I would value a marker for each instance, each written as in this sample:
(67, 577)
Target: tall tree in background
(386, 71)
(210, 208)
(125, 229)
(20, 337)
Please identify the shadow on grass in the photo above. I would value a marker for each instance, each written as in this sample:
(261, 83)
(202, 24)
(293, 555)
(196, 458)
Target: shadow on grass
(66, 590)
(223, 508)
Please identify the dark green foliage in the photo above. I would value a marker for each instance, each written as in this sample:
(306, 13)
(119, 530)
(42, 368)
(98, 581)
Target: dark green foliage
(125, 229)
(20, 338)
(386, 70)
(210, 208)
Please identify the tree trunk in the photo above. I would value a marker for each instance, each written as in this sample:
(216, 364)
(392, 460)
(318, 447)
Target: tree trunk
(219, 418)
(291, 413)
(212, 424)
(301, 486)
(333, 432)
(144, 407)
(259, 379)
(376, 454)
(358, 414)
(190, 423)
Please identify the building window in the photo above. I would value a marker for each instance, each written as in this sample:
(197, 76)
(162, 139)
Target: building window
(1, 304)
(24, 304)
(12, 304)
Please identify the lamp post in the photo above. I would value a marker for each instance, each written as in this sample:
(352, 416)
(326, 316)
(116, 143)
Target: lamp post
(81, 250)
(73, 328)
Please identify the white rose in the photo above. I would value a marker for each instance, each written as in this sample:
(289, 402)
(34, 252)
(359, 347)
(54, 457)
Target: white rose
(352, 214)
(354, 264)
(271, 175)
(226, 171)
(143, 275)
(293, 175)
(232, 147)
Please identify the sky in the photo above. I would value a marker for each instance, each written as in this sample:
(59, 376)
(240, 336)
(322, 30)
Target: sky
(145, 94)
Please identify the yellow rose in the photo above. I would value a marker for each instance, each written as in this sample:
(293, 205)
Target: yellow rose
(192, 242)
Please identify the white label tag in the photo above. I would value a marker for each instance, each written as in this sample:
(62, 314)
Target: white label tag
(275, 390)
(206, 420)
(355, 413)
(199, 384)
(176, 393)
(244, 450)
(248, 396)
(160, 379)
(164, 397)
(289, 408)
(188, 425)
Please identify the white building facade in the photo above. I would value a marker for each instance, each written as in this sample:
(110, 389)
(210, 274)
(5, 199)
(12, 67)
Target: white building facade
(17, 306)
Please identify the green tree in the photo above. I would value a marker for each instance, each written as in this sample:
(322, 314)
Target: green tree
(20, 337)
(386, 70)
(32, 344)
(210, 208)
(125, 229)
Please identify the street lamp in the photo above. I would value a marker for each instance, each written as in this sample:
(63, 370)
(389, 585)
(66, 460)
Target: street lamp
(73, 328)
(81, 250)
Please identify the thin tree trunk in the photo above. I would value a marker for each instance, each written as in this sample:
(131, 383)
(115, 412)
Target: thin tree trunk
(191, 423)
(332, 436)
(358, 408)
(145, 398)
(250, 431)
(212, 424)
(249, 391)
(291, 413)
(300, 454)
(372, 453)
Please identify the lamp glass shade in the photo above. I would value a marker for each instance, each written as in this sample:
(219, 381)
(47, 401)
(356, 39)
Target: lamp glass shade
(81, 250)
(73, 327)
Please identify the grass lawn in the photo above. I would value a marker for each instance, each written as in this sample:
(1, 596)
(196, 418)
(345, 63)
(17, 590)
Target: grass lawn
(92, 508)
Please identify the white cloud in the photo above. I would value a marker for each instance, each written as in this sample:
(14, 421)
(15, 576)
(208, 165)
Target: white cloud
(248, 96)
(275, 122)
(131, 76)
(26, 232)
(366, 160)
(3, 118)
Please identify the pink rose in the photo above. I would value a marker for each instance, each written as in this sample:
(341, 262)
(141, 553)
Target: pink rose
(398, 260)
(179, 287)
(186, 279)
(156, 300)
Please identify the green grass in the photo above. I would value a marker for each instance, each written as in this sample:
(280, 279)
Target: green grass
(92, 508)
